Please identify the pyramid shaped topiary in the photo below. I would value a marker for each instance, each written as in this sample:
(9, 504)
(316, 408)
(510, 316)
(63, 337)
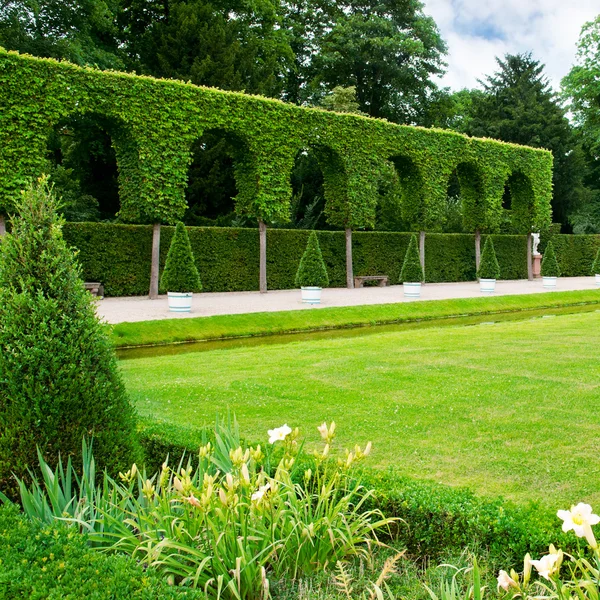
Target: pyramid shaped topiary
(180, 274)
(596, 264)
(550, 266)
(412, 272)
(312, 271)
(488, 266)
(59, 379)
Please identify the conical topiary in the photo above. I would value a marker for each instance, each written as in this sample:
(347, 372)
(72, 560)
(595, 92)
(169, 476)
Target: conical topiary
(180, 274)
(550, 266)
(312, 271)
(59, 379)
(488, 265)
(596, 264)
(412, 272)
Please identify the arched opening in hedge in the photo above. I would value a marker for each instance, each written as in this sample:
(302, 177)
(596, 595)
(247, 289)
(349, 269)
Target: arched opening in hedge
(465, 208)
(83, 155)
(518, 203)
(214, 178)
(307, 207)
(409, 190)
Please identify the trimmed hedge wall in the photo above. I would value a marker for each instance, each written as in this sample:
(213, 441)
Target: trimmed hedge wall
(575, 253)
(119, 256)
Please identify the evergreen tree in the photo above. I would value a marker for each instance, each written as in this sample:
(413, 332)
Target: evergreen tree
(412, 272)
(488, 266)
(180, 274)
(550, 266)
(312, 271)
(59, 379)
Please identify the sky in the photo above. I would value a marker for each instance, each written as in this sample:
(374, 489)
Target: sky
(477, 31)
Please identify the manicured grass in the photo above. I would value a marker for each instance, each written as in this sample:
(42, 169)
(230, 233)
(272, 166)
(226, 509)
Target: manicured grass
(256, 324)
(509, 409)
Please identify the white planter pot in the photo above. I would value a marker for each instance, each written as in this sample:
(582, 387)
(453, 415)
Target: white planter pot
(180, 301)
(549, 282)
(412, 290)
(597, 280)
(487, 285)
(311, 295)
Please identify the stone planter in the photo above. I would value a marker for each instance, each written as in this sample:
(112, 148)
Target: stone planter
(488, 286)
(311, 295)
(412, 290)
(597, 280)
(180, 301)
(549, 282)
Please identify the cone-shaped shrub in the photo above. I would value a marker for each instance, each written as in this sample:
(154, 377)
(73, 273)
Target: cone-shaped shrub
(596, 264)
(180, 274)
(412, 271)
(550, 266)
(312, 271)
(59, 378)
(488, 265)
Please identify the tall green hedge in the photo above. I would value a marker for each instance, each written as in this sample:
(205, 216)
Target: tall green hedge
(575, 253)
(119, 256)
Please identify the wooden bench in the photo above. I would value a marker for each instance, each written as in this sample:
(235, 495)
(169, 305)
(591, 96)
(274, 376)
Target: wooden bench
(381, 279)
(95, 288)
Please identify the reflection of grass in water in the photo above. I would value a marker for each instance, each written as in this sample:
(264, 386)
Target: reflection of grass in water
(507, 409)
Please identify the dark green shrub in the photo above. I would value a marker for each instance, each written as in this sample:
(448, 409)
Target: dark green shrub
(58, 374)
(549, 263)
(312, 271)
(180, 274)
(488, 267)
(55, 563)
(412, 271)
(596, 264)
(575, 253)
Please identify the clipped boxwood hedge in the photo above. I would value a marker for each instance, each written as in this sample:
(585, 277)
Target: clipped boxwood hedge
(227, 258)
(575, 253)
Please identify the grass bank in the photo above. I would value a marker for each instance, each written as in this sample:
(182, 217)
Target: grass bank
(507, 409)
(171, 331)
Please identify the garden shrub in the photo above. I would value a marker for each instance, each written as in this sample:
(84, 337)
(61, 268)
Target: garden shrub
(511, 252)
(596, 264)
(58, 374)
(575, 253)
(550, 266)
(488, 267)
(312, 271)
(55, 562)
(450, 257)
(180, 273)
(412, 271)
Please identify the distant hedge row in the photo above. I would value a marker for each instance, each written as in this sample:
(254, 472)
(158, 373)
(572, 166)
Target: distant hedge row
(576, 253)
(119, 256)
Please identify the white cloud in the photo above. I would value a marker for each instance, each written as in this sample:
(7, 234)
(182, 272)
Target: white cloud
(477, 31)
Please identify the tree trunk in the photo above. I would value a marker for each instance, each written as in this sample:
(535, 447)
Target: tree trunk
(349, 269)
(529, 257)
(155, 261)
(2, 226)
(422, 250)
(262, 232)
(477, 250)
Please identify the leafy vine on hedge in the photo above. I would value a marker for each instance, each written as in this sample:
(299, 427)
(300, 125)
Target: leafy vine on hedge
(155, 122)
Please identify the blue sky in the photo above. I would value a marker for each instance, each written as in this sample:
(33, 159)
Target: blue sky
(478, 30)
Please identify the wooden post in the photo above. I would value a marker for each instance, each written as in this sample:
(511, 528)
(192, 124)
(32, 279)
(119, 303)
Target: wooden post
(529, 257)
(155, 261)
(349, 267)
(262, 233)
(2, 226)
(422, 249)
(477, 250)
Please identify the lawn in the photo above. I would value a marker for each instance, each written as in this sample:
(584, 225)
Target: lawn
(508, 408)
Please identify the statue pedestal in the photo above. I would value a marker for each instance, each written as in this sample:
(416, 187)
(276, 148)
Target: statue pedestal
(537, 265)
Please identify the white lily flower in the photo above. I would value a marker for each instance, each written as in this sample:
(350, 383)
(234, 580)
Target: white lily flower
(580, 519)
(262, 490)
(279, 434)
(546, 566)
(505, 581)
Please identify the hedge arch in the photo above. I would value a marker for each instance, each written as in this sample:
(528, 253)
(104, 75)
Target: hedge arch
(522, 200)
(162, 119)
(411, 187)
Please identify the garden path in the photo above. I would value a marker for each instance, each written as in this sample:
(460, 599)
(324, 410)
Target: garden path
(140, 308)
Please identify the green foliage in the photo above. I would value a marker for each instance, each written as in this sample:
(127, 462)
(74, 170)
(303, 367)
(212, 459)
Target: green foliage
(488, 267)
(312, 271)
(180, 274)
(119, 255)
(575, 253)
(411, 267)
(58, 373)
(596, 264)
(55, 562)
(153, 148)
(550, 266)
(228, 525)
